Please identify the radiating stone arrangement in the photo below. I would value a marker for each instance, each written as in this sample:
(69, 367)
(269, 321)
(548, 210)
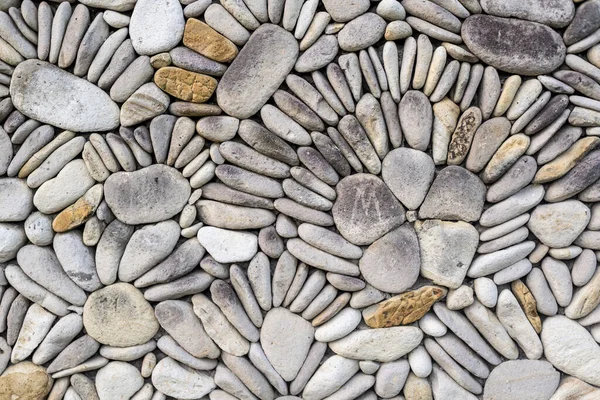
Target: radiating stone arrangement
(299, 199)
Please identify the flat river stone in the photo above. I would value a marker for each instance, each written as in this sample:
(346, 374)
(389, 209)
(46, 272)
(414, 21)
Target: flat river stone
(270, 54)
(119, 315)
(151, 194)
(512, 45)
(48, 94)
(365, 209)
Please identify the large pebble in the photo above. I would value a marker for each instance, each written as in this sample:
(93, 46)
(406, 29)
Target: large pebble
(408, 173)
(447, 249)
(361, 32)
(156, 26)
(559, 224)
(51, 95)
(392, 262)
(286, 339)
(118, 315)
(512, 45)
(151, 194)
(571, 349)
(456, 194)
(227, 246)
(365, 209)
(175, 380)
(271, 53)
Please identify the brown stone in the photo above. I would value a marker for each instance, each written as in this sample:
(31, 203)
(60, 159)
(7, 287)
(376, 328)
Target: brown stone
(185, 85)
(566, 161)
(528, 304)
(25, 381)
(332, 309)
(205, 40)
(463, 135)
(79, 212)
(403, 309)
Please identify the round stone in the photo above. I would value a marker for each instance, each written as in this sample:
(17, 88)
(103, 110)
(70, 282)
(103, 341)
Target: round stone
(119, 315)
(527, 379)
(392, 263)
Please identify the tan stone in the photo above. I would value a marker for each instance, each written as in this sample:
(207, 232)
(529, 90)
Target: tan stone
(185, 85)
(403, 309)
(119, 315)
(528, 304)
(200, 37)
(79, 212)
(463, 135)
(160, 60)
(508, 153)
(566, 161)
(25, 381)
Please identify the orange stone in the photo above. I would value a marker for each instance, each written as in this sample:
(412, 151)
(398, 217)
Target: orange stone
(79, 212)
(185, 85)
(203, 39)
(404, 308)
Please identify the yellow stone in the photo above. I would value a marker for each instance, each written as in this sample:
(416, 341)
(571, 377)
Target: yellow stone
(25, 381)
(185, 85)
(403, 309)
(203, 39)
(528, 304)
(566, 161)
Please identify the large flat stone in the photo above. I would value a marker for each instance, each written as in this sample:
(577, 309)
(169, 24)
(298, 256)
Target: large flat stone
(48, 94)
(512, 45)
(270, 54)
(152, 194)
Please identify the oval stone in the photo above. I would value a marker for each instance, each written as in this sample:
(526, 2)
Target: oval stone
(512, 45)
(152, 194)
(50, 95)
(270, 54)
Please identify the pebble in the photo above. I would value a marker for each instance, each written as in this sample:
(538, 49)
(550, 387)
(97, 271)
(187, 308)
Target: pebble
(383, 345)
(94, 110)
(415, 114)
(518, 327)
(514, 55)
(155, 28)
(118, 380)
(361, 32)
(159, 201)
(584, 267)
(361, 198)
(224, 245)
(260, 86)
(455, 194)
(408, 173)
(459, 243)
(397, 249)
(16, 200)
(531, 378)
(127, 326)
(560, 333)
(572, 216)
(512, 207)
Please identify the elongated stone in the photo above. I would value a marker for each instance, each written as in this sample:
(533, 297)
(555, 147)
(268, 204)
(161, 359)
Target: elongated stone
(273, 49)
(185, 85)
(48, 94)
(515, 46)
